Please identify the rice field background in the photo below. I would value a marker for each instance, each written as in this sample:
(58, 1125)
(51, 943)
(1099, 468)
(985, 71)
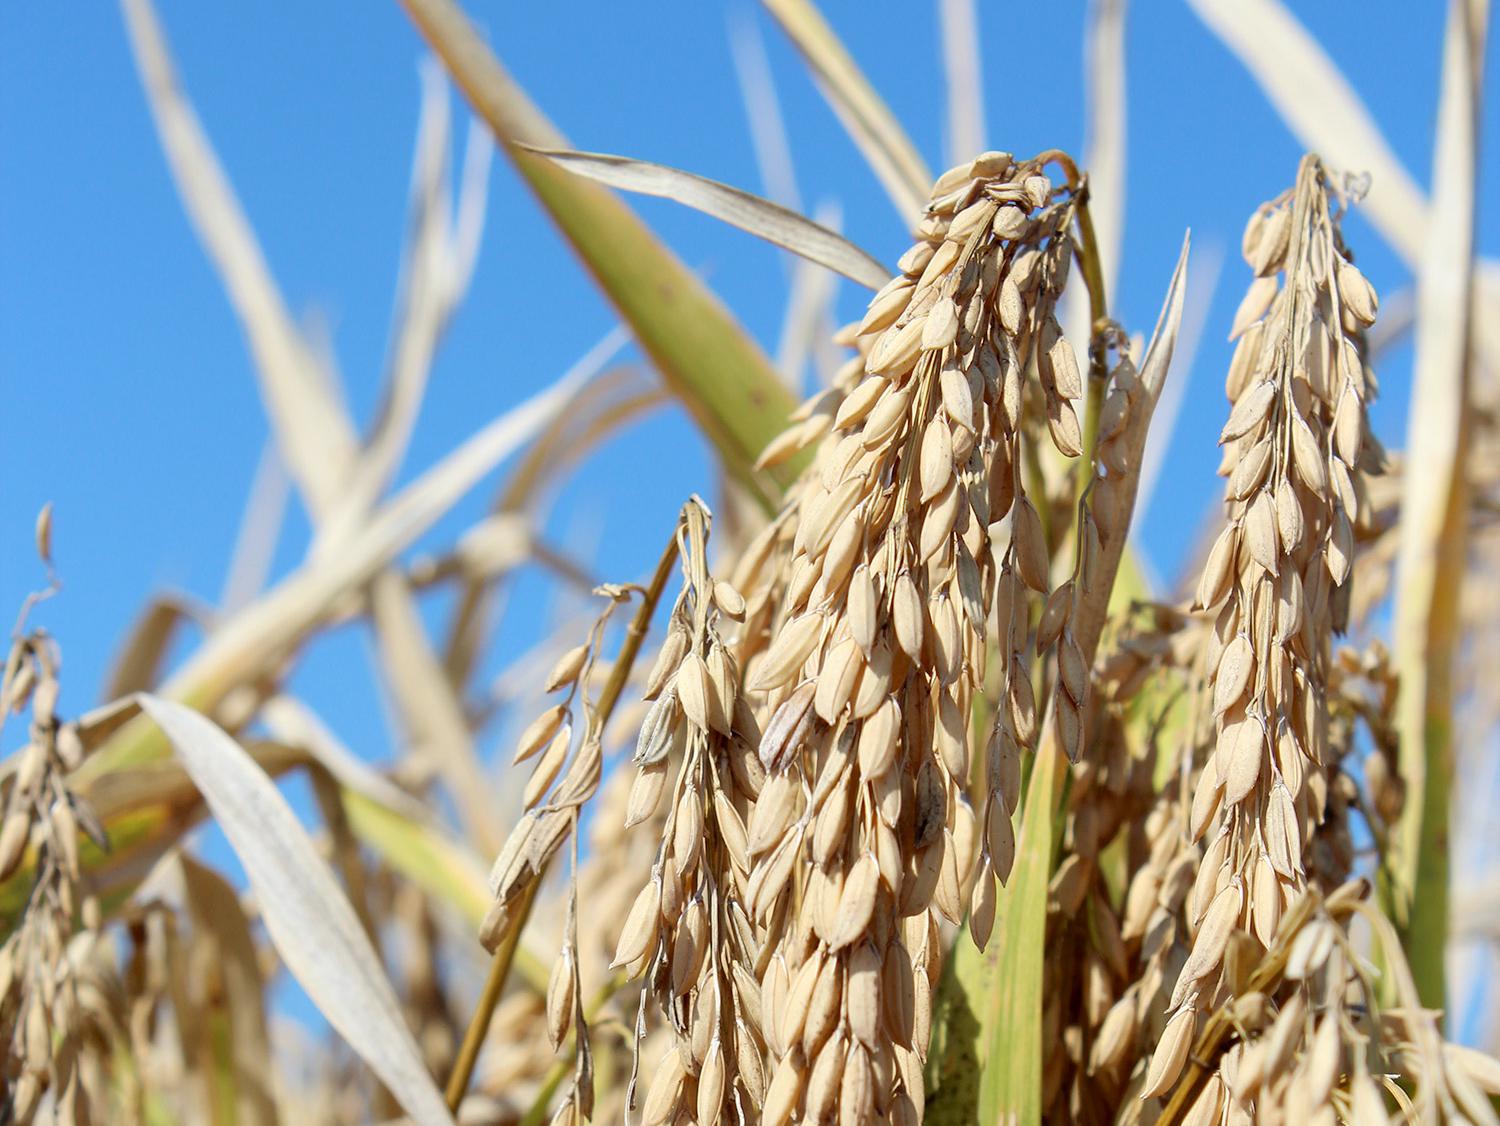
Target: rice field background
(341, 416)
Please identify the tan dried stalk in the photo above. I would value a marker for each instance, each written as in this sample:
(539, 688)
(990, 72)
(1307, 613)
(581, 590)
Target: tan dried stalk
(520, 1073)
(619, 863)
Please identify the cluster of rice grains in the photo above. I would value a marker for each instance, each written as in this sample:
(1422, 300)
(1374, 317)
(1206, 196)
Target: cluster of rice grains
(1213, 977)
(1244, 997)
(891, 594)
(819, 817)
(804, 768)
(1296, 453)
(58, 1015)
(688, 932)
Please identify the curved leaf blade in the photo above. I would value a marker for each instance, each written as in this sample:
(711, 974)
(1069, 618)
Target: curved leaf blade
(1433, 554)
(310, 922)
(750, 213)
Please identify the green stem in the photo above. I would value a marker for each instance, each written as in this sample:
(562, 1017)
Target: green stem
(1010, 1082)
(701, 351)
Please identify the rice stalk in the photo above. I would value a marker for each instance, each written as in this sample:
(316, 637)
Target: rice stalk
(1435, 519)
(1013, 1010)
(958, 24)
(763, 111)
(228, 997)
(611, 399)
(317, 439)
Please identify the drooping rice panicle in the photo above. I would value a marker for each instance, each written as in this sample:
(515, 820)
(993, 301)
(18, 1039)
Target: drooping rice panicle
(688, 931)
(562, 780)
(890, 593)
(47, 1010)
(1295, 455)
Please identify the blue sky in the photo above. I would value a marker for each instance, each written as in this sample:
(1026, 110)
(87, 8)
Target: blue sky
(126, 394)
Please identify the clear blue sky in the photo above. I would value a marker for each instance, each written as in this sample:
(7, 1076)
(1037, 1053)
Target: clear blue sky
(126, 395)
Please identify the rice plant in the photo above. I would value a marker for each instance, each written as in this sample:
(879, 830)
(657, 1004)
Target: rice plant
(895, 793)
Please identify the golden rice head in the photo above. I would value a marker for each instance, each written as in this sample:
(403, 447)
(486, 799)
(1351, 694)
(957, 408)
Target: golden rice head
(879, 593)
(688, 931)
(1296, 454)
(50, 984)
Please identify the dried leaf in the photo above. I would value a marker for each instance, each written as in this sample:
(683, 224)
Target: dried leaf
(317, 438)
(306, 915)
(751, 213)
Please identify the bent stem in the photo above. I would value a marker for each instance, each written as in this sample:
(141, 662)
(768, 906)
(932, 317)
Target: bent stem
(494, 986)
(1087, 253)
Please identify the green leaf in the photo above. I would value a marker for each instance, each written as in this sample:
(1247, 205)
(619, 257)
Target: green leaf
(1010, 1007)
(956, 1054)
(1434, 521)
(722, 377)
